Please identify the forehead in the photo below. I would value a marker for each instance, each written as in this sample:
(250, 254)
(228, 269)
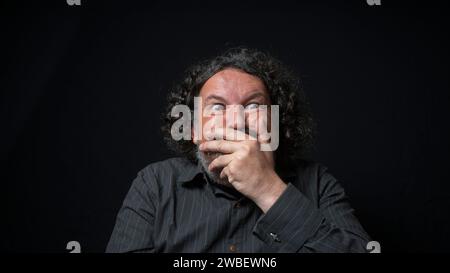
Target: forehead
(233, 84)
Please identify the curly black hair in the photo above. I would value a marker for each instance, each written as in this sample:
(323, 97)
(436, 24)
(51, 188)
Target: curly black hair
(297, 127)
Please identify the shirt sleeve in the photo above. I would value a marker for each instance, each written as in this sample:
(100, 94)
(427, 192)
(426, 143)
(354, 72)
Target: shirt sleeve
(296, 224)
(133, 231)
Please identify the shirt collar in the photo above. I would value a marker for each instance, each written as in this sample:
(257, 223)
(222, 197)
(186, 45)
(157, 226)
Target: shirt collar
(190, 174)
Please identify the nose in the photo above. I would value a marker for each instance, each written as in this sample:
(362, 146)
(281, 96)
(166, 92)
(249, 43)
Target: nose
(235, 117)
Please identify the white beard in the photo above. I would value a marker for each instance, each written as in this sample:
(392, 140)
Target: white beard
(205, 159)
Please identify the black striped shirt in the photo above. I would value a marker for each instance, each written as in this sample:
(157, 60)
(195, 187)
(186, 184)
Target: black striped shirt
(172, 207)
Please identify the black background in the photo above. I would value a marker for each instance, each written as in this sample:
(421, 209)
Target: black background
(83, 88)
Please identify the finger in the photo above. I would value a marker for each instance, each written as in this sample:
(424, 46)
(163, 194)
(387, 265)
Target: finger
(222, 146)
(221, 162)
(228, 134)
(224, 173)
(263, 127)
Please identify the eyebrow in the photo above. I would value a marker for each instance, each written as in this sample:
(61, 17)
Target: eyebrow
(214, 97)
(255, 94)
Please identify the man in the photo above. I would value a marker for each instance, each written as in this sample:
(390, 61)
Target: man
(226, 194)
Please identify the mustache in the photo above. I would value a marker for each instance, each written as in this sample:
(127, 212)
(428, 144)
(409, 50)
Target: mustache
(205, 159)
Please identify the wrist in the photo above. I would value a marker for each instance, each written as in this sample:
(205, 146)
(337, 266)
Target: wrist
(275, 188)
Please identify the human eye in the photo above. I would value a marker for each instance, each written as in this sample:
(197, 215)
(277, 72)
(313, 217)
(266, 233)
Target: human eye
(252, 106)
(217, 107)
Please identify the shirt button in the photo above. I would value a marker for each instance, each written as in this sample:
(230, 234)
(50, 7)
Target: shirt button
(232, 248)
